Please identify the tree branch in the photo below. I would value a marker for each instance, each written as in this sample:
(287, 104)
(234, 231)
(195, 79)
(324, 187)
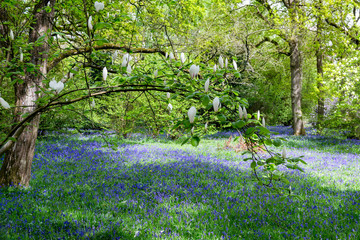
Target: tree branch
(74, 52)
(18, 129)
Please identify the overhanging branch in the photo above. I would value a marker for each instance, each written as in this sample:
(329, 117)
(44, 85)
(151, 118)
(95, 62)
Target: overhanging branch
(18, 129)
(79, 51)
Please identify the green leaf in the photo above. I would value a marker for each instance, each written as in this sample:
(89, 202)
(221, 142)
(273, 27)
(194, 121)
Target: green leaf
(277, 142)
(285, 180)
(185, 141)
(101, 41)
(102, 25)
(195, 140)
(263, 130)
(282, 198)
(222, 118)
(253, 165)
(237, 74)
(239, 124)
(205, 100)
(250, 131)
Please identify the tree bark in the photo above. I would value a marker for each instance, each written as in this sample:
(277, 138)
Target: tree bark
(296, 85)
(16, 168)
(321, 102)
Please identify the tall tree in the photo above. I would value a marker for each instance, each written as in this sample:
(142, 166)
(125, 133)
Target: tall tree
(16, 168)
(285, 19)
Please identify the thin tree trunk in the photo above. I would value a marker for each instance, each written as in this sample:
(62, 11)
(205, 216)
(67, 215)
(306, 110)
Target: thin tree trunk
(321, 102)
(320, 73)
(296, 86)
(16, 168)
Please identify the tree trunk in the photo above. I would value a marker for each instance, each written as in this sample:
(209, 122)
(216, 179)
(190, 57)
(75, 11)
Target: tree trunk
(320, 73)
(296, 86)
(16, 168)
(321, 102)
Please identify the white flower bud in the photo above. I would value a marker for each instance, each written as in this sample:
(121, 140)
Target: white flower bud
(90, 23)
(258, 115)
(192, 131)
(168, 95)
(126, 59)
(21, 54)
(92, 105)
(182, 58)
(206, 126)
(214, 68)
(235, 65)
(226, 63)
(171, 56)
(155, 73)
(207, 85)
(263, 122)
(244, 113)
(11, 35)
(216, 104)
(170, 107)
(105, 73)
(128, 69)
(4, 103)
(166, 55)
(191, 114)
(221, 62)
(241, 115)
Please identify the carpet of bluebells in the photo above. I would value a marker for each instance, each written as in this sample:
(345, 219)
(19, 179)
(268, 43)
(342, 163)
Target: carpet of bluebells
(82, 189)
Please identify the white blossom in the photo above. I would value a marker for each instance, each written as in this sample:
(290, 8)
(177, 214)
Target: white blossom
(168, 95)
(126, 59)
(194, 70)
(226, 63)
(182, 58)
(283, 154)
(216, 104)
(21, 54)
(155, 73)
(114, 56)
(4, 103)
(105, 73)
(241, 114)
(170, 107)
(171, 56)
(214, 68)
(235, 65)
(128, 69)
(11, 35)
(99, 6)
(207, 85)
(57, 86)
(244, 113)
(191, 114)
(258, 115)
(221, 62)
(263, 122)
(90, 23)
(92, 105)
